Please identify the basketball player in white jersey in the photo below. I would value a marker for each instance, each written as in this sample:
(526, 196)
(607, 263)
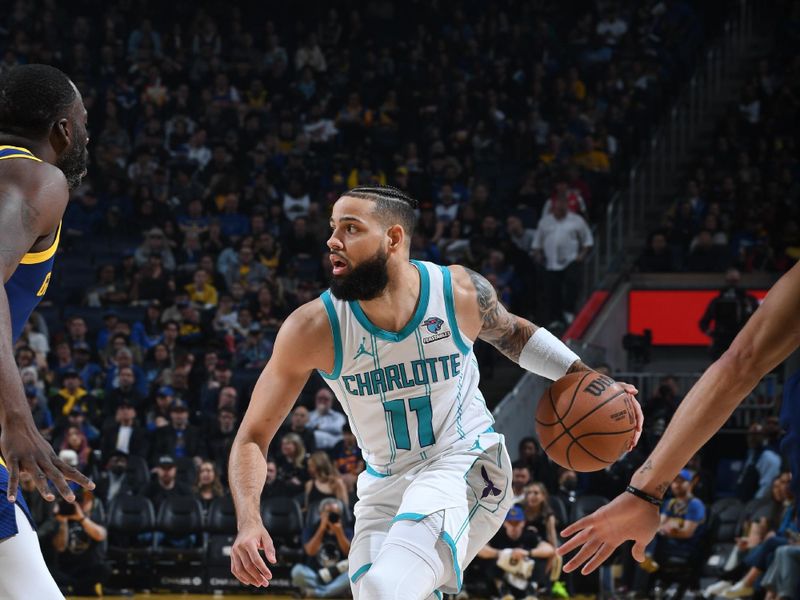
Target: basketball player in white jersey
(394, 339)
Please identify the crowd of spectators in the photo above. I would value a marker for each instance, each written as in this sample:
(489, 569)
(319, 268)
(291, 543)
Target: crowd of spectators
(220, 137)
(741, 204)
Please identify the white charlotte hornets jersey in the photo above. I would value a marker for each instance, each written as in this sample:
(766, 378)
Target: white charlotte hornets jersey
(409, 394)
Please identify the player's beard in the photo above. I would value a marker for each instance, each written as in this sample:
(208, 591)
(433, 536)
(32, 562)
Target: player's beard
(73, 163)
(365, 281)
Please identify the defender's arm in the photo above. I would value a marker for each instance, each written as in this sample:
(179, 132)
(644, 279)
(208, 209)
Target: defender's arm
(32, 200)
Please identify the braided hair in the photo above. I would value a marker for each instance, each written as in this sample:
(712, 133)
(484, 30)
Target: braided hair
(391, 204)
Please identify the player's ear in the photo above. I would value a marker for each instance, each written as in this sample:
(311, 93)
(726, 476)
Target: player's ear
(396, 237)
(60, 135)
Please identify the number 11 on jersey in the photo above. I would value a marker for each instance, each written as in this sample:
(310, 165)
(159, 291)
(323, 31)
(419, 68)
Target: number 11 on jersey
(421, 405)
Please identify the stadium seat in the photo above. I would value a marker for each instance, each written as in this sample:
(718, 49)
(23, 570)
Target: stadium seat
(221, 531)
(138, 471)
(284, 520)
(131, 522)
(180, 527)
(221, 518)
(186, 470)
(180, 546)
(724, 522)
(723, 519)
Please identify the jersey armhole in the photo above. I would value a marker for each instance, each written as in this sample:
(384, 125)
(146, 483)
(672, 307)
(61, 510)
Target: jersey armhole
(450, 306)
(333, 321)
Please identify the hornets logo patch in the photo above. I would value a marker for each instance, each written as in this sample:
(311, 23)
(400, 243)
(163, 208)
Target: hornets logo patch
(434, 325)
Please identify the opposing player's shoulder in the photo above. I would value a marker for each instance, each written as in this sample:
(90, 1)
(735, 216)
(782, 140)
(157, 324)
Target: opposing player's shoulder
(305, 338)
(40, 185)
(36, 179)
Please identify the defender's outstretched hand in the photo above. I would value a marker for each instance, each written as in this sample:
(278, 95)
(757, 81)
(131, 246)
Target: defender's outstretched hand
(24, 449)
(599, 534)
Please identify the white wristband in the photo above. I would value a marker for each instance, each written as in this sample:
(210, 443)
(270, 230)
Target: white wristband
(546, 355)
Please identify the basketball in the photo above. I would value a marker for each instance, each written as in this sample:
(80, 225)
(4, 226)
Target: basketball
(585, 421)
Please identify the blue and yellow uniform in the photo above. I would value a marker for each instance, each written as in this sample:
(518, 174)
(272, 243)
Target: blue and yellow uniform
(24, 289)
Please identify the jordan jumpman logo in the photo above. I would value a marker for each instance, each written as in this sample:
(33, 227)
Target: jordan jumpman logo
(362, 349)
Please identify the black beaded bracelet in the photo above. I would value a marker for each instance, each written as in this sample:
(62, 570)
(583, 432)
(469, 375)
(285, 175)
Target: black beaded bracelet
(643, 495)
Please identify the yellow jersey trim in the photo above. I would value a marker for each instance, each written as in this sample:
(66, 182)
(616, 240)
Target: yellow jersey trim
(34, 258)
(2, 462)
(28, 154)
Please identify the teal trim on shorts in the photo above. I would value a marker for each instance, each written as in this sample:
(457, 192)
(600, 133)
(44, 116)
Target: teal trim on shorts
(490, 430)
(451, 311)
(449, 541)
(416, 319)
(375, 473)
(438, 594)
(337, 336)
(409, 517)
(359, 572)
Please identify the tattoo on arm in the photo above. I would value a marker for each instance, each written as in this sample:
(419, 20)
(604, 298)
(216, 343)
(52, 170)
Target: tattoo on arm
(503, 330)
(647, 466)
(662, 488)
(29, 216)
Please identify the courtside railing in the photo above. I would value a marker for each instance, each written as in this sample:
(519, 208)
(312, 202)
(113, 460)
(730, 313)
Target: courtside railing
(651, 176)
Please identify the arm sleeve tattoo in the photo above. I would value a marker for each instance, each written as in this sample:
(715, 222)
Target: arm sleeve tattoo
(503, 330)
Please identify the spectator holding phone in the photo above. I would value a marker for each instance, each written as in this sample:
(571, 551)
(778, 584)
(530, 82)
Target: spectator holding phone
(79, 566)
(326, 543)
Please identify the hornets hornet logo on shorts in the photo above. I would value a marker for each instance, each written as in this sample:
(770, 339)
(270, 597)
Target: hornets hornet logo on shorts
(434, 325)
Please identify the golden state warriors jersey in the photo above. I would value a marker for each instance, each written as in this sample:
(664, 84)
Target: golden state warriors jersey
(29, 282)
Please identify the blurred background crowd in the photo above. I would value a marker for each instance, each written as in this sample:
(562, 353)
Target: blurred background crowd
(221, 136)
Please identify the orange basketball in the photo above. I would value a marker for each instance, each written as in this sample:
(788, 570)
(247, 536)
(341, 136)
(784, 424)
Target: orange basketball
(585, 421)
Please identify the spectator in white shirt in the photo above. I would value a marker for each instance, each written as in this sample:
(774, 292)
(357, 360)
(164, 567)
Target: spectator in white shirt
(612, 27)
(319, 128)
(521, 236)
(310, 54)
(326, 422)
(562, 241)
(447, 208)
(199, 153)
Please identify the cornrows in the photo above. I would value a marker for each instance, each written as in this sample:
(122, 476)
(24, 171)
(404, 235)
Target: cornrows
(394, 206)
(382, 192)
